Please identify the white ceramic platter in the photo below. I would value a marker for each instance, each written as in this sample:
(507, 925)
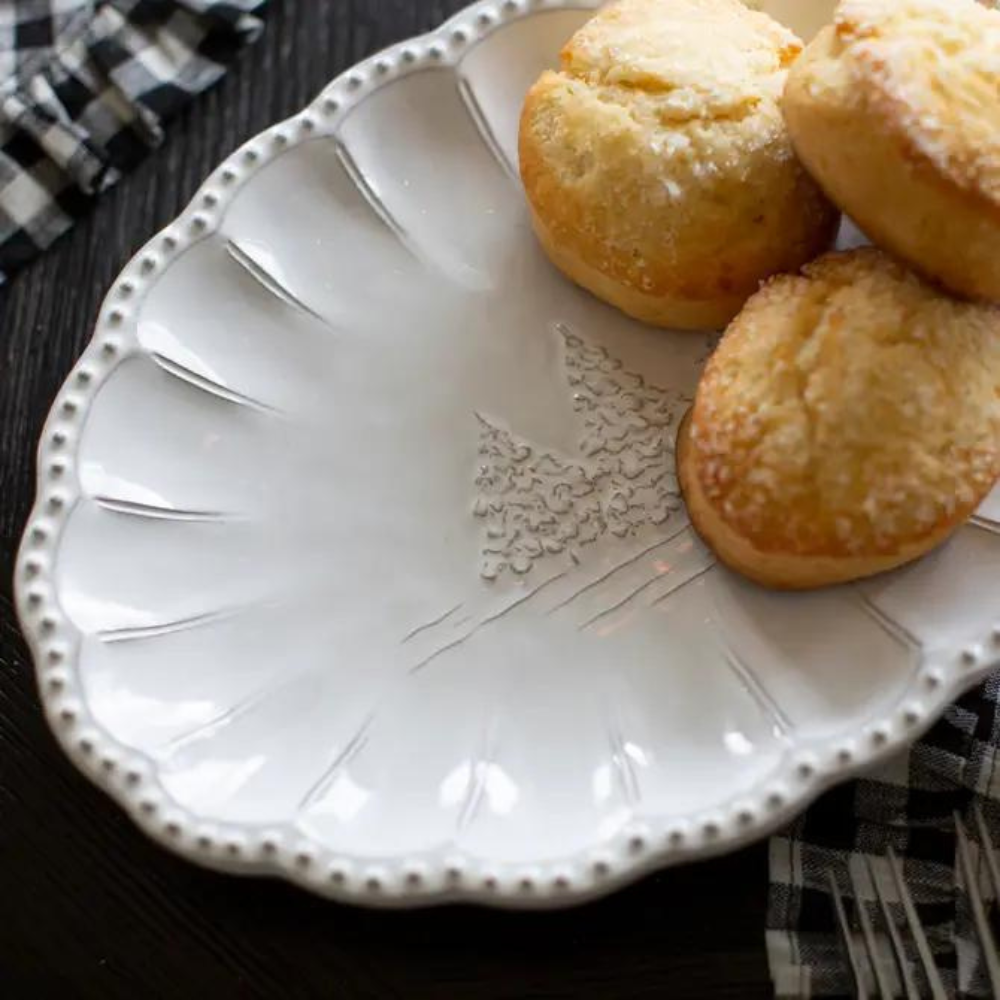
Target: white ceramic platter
(358, 555)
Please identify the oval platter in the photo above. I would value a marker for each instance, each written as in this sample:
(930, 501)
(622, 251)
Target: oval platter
(358, 556)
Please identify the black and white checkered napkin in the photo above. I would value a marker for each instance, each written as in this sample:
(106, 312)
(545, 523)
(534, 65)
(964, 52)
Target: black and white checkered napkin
(908, 805)
(84, 87)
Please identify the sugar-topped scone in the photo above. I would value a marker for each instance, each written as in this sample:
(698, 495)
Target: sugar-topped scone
(657, 164)
(848, 422)
(895, 110)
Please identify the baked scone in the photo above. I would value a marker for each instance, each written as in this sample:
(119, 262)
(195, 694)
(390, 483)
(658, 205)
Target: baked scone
(895, 110)
(848, 422)
(657, 165)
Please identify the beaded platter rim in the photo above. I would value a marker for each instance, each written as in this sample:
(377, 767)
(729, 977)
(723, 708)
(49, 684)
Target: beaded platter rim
(441, 875)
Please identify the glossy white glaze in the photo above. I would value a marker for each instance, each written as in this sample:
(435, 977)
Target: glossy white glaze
(260, 583)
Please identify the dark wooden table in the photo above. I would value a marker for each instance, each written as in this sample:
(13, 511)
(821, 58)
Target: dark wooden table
(88, 907)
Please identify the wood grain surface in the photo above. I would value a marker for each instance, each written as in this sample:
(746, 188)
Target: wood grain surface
(88, 907)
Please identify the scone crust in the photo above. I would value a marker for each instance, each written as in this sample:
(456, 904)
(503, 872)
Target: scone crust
(848, 422)
(893, 109)
(657, 164)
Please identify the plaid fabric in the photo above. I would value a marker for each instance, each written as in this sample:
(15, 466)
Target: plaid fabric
(909, 805)
(84, 87)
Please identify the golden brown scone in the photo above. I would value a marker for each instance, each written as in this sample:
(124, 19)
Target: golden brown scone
(657, 165)
(894, 109)
(848, 422)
